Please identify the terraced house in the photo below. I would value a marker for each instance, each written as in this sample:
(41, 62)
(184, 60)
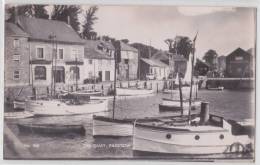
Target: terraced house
(128, 67)
(99, 62)
(47, 51)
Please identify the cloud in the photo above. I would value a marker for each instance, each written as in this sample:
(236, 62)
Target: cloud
(195, 11)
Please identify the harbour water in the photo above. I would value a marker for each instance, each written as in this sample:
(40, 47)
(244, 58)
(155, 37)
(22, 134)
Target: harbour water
(236, 105)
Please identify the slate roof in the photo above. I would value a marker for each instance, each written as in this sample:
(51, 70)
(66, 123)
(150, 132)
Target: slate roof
(153, 62)
(126, 47)
(238, 51)
(41, 29)
(13, 30)
(91, 51)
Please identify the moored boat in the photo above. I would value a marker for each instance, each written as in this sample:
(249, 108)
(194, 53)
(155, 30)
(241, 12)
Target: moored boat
(184, 138)
(51, 128)
(87, 93)
(60, 107)
(132, 91)
(174, 104)
(17, 115)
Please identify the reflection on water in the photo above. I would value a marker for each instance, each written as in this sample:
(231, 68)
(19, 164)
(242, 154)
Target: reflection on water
(235, 105)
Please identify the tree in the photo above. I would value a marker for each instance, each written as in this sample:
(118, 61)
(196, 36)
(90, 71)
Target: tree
(65, 13)
(181, 45)
(211, 58)
(126, 41)
(90, 19)
(37, 11)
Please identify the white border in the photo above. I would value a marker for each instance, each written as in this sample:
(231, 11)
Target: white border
(244, 3)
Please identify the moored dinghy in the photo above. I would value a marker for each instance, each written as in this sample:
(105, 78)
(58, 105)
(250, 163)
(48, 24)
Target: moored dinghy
(51, 128)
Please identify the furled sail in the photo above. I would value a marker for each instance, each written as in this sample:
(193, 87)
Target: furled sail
(187, 76)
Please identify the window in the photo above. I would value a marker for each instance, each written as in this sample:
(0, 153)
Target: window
(75, 53)
(90, 61)
(239, 58)
(126, 61)
(40, 73)
(16, 57)
(40, 54)
(16, 43)
(16, 75)
(74, 72)
(60, 54)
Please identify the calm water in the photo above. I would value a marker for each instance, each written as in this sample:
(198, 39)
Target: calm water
(237, 105)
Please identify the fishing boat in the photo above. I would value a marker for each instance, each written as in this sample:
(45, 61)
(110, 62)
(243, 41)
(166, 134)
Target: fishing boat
(51, 129)
(17, 115)
(174, 104)
(172, 137)
(60, 107)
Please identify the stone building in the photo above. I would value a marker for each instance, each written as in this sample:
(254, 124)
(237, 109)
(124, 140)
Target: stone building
(177, 63)
(153, 67)
(128, 67)
(50, 52)
(99, 62)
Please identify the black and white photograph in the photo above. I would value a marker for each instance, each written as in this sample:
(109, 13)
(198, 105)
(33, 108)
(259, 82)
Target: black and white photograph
(129, 82)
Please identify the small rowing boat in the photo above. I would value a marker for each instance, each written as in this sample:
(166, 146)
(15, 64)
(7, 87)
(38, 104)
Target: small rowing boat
(220, 88)
(17, 115)
(174, 105)
(51, 129)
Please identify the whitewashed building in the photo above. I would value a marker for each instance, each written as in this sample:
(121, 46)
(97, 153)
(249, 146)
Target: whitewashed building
(99, 62)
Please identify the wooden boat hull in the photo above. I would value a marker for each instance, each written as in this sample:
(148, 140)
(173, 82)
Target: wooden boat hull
(87, 93)
(105, 126)
(19, 104)
(183, 140)
(51, 129)
(174, 105)
(132, 91)
(17, 115)
(216, 89)
(58, 108)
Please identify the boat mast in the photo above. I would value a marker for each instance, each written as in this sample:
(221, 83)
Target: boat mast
(192, 67)
(55, 66)
(179, 79)
(77, 72)
(116, 57)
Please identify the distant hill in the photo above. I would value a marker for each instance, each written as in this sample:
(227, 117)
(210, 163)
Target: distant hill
(144, 49)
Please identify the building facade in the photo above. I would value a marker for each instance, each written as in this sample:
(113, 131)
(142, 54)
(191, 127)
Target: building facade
(99, 62)
(128, 67)
(239, 64)
(17, 71)
(177, 63)
(153, 67)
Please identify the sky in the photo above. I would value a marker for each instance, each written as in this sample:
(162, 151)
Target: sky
(220, 28)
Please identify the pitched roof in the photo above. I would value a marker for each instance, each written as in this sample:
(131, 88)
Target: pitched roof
(13, 30)
(41, 29)
(238, 51)
(126, 47)
(164, 56)
(153, 62)
(91, 49)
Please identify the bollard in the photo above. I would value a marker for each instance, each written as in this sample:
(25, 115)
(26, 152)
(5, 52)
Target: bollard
(204, 113)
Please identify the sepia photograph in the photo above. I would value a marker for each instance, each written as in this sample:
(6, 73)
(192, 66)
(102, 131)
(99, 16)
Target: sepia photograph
(135, 82)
